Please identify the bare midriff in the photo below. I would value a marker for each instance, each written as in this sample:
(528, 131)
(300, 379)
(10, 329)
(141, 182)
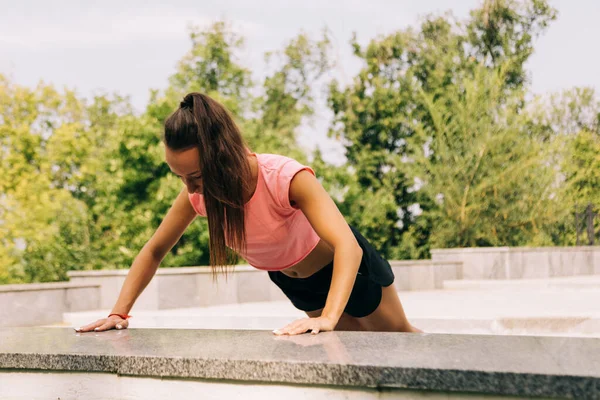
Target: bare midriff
(318, 258)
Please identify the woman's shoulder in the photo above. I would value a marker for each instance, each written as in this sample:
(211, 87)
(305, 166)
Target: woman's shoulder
(280, 166)
(273, 161)
(278, 172)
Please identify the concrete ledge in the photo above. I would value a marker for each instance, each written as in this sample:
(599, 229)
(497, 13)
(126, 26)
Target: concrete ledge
(424, 274)
(523, 326)
(463, 250)
(523, 262)
(572, 282)
(34, 287)
(493, 365)
(195, 286)
(515, 249)
(160, 271)
(45, 303)
(186, 287)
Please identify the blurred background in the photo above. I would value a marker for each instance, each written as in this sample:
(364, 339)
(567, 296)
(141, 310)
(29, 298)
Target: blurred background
(433, 124)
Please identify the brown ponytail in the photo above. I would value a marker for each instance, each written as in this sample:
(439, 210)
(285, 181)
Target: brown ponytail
(204, 123)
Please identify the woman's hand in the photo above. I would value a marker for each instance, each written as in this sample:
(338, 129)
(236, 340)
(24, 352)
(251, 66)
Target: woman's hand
(314, 325)
(105, 324)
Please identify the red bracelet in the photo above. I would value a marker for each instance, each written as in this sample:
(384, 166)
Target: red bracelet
(123, 316)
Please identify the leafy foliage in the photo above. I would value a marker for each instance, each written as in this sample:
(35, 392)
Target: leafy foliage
(444, 145)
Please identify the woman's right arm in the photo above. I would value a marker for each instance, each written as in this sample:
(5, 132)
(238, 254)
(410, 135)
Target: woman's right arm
(147, 261)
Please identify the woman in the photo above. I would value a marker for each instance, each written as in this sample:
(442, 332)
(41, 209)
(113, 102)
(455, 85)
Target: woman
(274, 212)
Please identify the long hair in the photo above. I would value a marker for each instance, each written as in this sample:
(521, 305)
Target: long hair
(202, 122)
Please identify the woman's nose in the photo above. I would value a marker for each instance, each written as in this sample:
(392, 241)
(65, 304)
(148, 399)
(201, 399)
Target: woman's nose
(191, 186)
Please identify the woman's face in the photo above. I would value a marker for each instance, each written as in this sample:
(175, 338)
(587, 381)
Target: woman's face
(186, 165)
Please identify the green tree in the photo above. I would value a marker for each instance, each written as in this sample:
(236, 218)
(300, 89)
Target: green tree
(502, 32)
(582, 169)
(489, 177)
(569, 121)
(378, 114)
(565, 113)
(51, 143)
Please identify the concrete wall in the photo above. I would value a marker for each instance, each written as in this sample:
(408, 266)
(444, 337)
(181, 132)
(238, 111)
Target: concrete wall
(424, 274)
(195, 286)
(186, 287)
(45, 303)
(522, 262)
(40, 304)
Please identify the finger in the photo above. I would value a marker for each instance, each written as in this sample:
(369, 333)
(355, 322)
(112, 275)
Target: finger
(123, 324)
(298, 331)
(109, 324)
(90, 327)
(315, 331)
(283, 331)
(286, 329)
(280, 332)
(302, 328)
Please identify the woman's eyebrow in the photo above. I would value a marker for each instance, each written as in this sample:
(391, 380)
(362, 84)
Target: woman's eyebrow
(191, 173)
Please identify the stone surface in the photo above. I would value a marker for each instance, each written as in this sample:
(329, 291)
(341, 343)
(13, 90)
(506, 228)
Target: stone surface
(175, 291)
(570, 282)
(414, 277)
(446, 271)
(44, 303)
(253, 286)
(212, 292)
(424, 274)
(81, 299)
(528, 264)
(110, 283)
(506, 365)
(478, 263)
(523, 262)
(186, 287)
(107, 386)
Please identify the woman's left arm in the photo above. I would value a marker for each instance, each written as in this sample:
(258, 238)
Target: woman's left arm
(329, 223)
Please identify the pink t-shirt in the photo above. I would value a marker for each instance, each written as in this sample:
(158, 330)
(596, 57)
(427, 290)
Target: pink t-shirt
(278, 235)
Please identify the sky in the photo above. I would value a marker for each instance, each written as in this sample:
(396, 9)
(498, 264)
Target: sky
(132, 46)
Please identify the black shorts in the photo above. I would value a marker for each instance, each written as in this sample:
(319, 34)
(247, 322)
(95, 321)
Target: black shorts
(310, 294)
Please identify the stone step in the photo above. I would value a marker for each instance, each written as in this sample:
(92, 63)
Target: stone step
(522, 326)
(571, 282)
